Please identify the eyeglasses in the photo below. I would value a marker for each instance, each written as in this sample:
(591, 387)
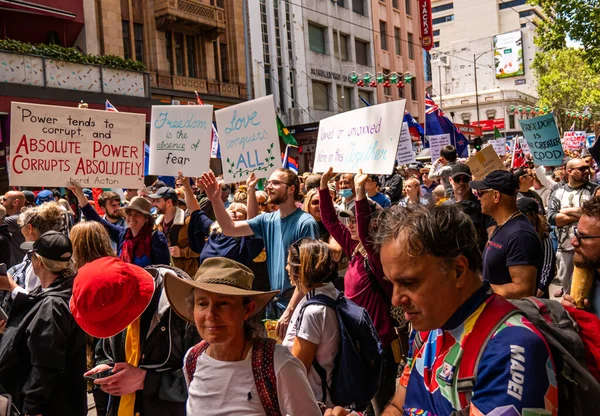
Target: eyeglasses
(275, 182)
(582, 169)
(580, 236)
(462, 178)
(178, 185)
(479, 193)
(314, 202)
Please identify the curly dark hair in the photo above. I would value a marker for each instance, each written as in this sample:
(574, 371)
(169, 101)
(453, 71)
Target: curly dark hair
(591, 208)
(442, 231)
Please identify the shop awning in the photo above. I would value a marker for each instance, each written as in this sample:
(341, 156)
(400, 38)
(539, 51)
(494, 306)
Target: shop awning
(36, 8)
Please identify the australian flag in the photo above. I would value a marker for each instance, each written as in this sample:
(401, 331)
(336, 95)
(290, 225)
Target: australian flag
(438, 123)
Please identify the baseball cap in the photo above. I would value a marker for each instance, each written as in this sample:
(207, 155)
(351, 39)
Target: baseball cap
(528, 205)
(166, 193)
(29, 196)
(460, 169)
(499, 180)
(51, 245)
(44, 196)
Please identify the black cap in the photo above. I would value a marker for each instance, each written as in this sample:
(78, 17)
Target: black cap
(460, 169)
(29, 196)
(51, 245)
(528, 205)
(499, 180)
(166, 193)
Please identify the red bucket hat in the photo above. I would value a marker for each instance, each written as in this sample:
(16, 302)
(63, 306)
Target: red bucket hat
(108, 295)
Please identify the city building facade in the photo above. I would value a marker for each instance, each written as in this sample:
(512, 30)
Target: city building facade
(473, 75)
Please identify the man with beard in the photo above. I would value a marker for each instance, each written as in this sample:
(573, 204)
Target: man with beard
(564, 210)
(110, 202)
(460, 179)
(174, 224)
(278, 230)
(586, 242)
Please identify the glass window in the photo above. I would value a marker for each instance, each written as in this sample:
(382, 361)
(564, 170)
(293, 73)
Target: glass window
(437, 9)
(383, 35)
(413, 90)
(436, 44)
(341, 3)
(511, 121)
(397, 40)
(191, 56)
(345, 103)
(224, 65)
(169, 47)
(395, 4)
(410, 39)
(366, 96)
(344, 46)
(442, 19)
(358, 6)
(320, 96)
(126, 40)
(407, 7)
(316, 39)
(362, 52)
(178, 53)
(138, 32)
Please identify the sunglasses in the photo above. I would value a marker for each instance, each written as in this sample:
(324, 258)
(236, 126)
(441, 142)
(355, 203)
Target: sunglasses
(582, 169)
(462, 179)
(314, 202)
(479, 193)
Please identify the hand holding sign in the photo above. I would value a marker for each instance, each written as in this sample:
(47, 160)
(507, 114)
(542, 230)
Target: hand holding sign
(211, 185)
(251, 181)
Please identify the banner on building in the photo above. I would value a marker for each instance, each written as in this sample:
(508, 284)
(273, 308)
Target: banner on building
(484, 162)
(426, 24)
(543, 139)
(574, 140)
(249, 140)
(405, 153)
(180, 139)
(508, 54)
(436, 143)
(365, 139)
(52, 146)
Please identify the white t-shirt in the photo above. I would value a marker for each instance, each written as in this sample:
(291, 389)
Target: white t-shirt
(227, 387)
(320, 326)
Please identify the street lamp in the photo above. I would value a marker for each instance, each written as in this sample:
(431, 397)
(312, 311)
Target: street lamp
(475, 58)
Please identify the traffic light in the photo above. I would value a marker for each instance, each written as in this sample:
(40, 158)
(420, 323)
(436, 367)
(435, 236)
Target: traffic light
(477, 143)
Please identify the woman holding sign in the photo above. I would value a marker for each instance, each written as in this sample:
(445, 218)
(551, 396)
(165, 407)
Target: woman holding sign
(138, 243)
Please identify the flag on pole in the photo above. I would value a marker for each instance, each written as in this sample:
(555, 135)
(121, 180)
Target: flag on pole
(109, 107)
(284, 133)
(289, 162)
(518, 158)
(413, 126)
(497, 134)
(437, 123)
(572, 127)
(215, 147)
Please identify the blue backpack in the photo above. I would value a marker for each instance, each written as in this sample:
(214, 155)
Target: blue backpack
(359, 361)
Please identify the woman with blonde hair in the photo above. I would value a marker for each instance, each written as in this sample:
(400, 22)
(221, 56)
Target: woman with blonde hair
(90, 242)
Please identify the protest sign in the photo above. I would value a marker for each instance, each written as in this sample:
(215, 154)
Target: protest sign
(436, 143)
(405, 153)
(589, 140)
(574, 140)
(249, 140)
(524, 146)
(365, 139)
(499, 146)
(543, 138)
(180, 139)
(484, 162)
(52, 146)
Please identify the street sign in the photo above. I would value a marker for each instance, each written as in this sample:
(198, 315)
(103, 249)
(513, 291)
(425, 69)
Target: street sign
(469, 130)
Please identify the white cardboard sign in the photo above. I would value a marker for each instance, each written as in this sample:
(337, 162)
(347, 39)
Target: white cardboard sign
(366, 138)
(405, 153)
(180, 139)
(436, 143)
(499, 145)
(249, 139)
(52, 146)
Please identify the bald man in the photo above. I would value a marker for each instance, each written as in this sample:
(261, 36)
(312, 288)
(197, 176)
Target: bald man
(564, 210)
(13, 202)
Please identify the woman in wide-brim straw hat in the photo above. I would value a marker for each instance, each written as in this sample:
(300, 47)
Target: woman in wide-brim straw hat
(138, 243)
(235, 370)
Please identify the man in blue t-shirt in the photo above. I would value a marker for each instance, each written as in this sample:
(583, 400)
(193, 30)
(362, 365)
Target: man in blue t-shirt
(513, 256)
(278, 229)
(371, 185)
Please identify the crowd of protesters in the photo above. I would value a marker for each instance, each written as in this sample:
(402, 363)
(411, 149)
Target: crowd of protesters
(159, 300)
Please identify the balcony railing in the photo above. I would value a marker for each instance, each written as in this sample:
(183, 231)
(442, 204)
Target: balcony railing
(178, 14)
(39, 71)
(203, 86)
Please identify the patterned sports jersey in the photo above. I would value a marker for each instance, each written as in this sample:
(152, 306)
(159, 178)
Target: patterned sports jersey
(515, 371)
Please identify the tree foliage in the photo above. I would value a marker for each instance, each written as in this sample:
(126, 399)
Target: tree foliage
(578, 20)
(567, 82)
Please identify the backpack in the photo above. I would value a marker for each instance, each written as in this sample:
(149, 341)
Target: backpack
(578, 389)
(358, 363)
(263, 369)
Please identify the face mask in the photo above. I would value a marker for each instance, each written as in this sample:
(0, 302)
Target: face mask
(345, 193)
